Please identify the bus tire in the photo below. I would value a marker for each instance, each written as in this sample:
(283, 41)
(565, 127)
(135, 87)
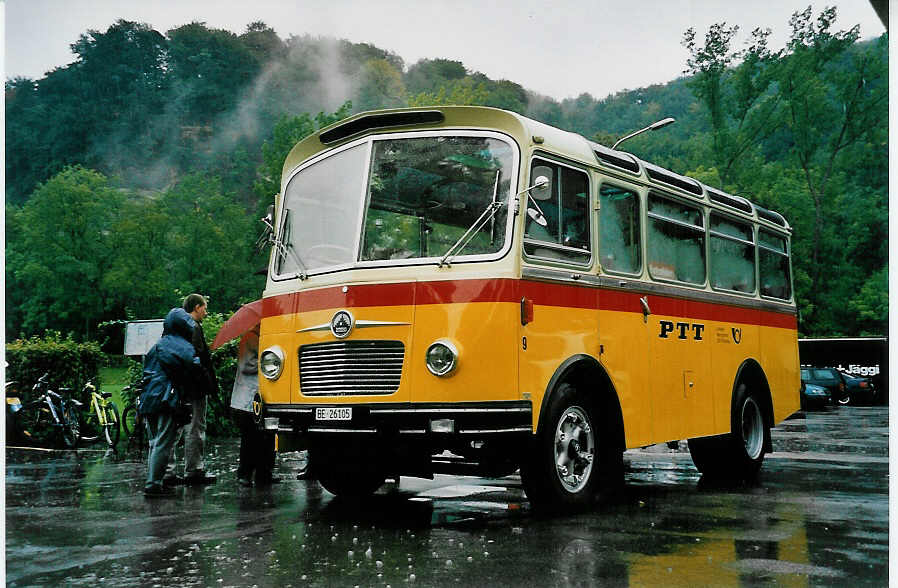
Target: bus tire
(344, 477)
(739, 453)
(571, 454)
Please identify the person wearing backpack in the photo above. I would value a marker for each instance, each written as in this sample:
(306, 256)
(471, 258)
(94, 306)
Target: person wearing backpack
(170, 369)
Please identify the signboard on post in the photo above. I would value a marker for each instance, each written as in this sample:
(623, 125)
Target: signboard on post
(140, 336)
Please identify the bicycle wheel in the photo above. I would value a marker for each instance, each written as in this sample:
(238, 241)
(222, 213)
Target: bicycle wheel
(111, 429)
(130, 419)
(90, 425)
(34, 424)
(70, 428)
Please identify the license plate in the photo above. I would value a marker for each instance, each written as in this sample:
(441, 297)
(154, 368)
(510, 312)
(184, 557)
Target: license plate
(333, 414)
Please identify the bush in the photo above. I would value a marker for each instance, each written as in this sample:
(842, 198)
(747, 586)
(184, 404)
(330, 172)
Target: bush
(69, 363)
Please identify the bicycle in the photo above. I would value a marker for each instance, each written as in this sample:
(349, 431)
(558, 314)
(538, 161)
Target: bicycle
(132, 421)
(49, 416)
(102, 415)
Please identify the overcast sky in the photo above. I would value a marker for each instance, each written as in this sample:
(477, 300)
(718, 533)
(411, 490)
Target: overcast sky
(559, 48)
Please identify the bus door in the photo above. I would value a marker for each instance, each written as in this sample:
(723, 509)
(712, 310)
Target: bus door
(558, 308)
(679, 339)
(622, 323)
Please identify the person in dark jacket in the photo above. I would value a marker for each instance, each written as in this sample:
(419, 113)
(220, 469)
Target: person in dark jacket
(170, 369)
(195, 432)
(257, 454)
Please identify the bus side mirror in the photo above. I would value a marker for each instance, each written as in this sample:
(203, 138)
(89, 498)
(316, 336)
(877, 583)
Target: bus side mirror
(268, 219)
(268, 232)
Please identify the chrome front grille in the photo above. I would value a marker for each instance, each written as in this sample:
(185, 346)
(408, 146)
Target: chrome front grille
(350, 367)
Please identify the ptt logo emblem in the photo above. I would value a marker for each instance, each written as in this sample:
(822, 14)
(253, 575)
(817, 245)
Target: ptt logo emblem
(342, 323)
(683, 330)
(737, 335)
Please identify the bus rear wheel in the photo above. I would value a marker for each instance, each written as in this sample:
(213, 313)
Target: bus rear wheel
(739, 453)
(571, 454)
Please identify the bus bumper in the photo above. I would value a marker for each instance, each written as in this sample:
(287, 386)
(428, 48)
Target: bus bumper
(478, 435)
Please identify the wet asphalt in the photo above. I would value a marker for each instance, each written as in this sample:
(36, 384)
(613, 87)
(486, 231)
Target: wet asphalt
(817, 516)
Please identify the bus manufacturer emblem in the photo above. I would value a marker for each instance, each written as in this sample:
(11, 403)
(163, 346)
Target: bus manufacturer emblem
(342, 323)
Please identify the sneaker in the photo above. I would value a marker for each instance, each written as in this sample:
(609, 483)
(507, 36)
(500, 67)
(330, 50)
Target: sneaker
(173, 480)
(198, 478)
(158, 491)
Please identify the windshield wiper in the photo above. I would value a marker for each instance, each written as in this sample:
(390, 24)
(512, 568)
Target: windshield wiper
(283, 249)
(270, 234)
(486, 216)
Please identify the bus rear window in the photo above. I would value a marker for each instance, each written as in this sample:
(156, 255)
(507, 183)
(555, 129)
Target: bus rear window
(773, 262)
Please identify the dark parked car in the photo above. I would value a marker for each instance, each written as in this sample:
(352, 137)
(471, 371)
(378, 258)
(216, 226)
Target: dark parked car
(813, 396)
(829, 378)
(858, 390)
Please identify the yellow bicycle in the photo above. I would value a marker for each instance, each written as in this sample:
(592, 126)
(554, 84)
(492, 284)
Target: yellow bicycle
(102, 417)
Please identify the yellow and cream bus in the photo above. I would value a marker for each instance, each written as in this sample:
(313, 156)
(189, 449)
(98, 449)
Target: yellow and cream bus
(463, 289)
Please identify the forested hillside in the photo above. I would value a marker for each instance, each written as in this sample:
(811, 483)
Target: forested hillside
(137, 173)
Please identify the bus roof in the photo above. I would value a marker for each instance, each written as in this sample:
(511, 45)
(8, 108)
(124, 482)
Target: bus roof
(527, 132)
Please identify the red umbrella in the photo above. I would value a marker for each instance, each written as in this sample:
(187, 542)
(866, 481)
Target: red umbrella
(246, 317)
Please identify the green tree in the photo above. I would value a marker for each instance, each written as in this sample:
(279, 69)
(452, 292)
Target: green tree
(287, 132)
(380, 86)
(208, 242)
(139, 275)
(208, 69)
(740, 105)
(118, 84)
(263, 43)
(872, 304)
(429, 75)
(463, 92)
(834, 97)
(65, 229)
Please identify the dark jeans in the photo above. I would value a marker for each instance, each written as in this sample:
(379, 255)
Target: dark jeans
(256, 449)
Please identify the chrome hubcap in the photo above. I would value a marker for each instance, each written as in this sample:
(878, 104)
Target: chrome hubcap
(752, 428)
(574, 449)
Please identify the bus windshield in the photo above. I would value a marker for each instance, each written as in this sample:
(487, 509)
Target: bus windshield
(420, 196)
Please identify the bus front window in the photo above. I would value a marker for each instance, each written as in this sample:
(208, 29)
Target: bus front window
(424, 193)
(321, 218)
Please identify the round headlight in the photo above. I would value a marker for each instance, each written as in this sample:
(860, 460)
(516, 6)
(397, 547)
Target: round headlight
(441, 358)
(271, 362)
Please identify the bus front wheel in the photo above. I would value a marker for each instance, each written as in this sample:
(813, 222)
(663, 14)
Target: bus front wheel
(739, 453)
(570, 455)
(344, 474)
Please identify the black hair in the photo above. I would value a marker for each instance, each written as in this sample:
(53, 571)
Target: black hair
(192, 301)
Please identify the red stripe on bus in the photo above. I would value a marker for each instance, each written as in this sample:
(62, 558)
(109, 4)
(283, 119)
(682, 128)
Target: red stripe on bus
(677, 307)
(357, 296)
(512, 290)
(566, 295)
(453, 291)
(278, 305)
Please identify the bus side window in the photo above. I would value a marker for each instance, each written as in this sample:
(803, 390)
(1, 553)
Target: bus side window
(619, 230)
(676, 241)
(558, 226)
(732, 255)
(773, 259)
